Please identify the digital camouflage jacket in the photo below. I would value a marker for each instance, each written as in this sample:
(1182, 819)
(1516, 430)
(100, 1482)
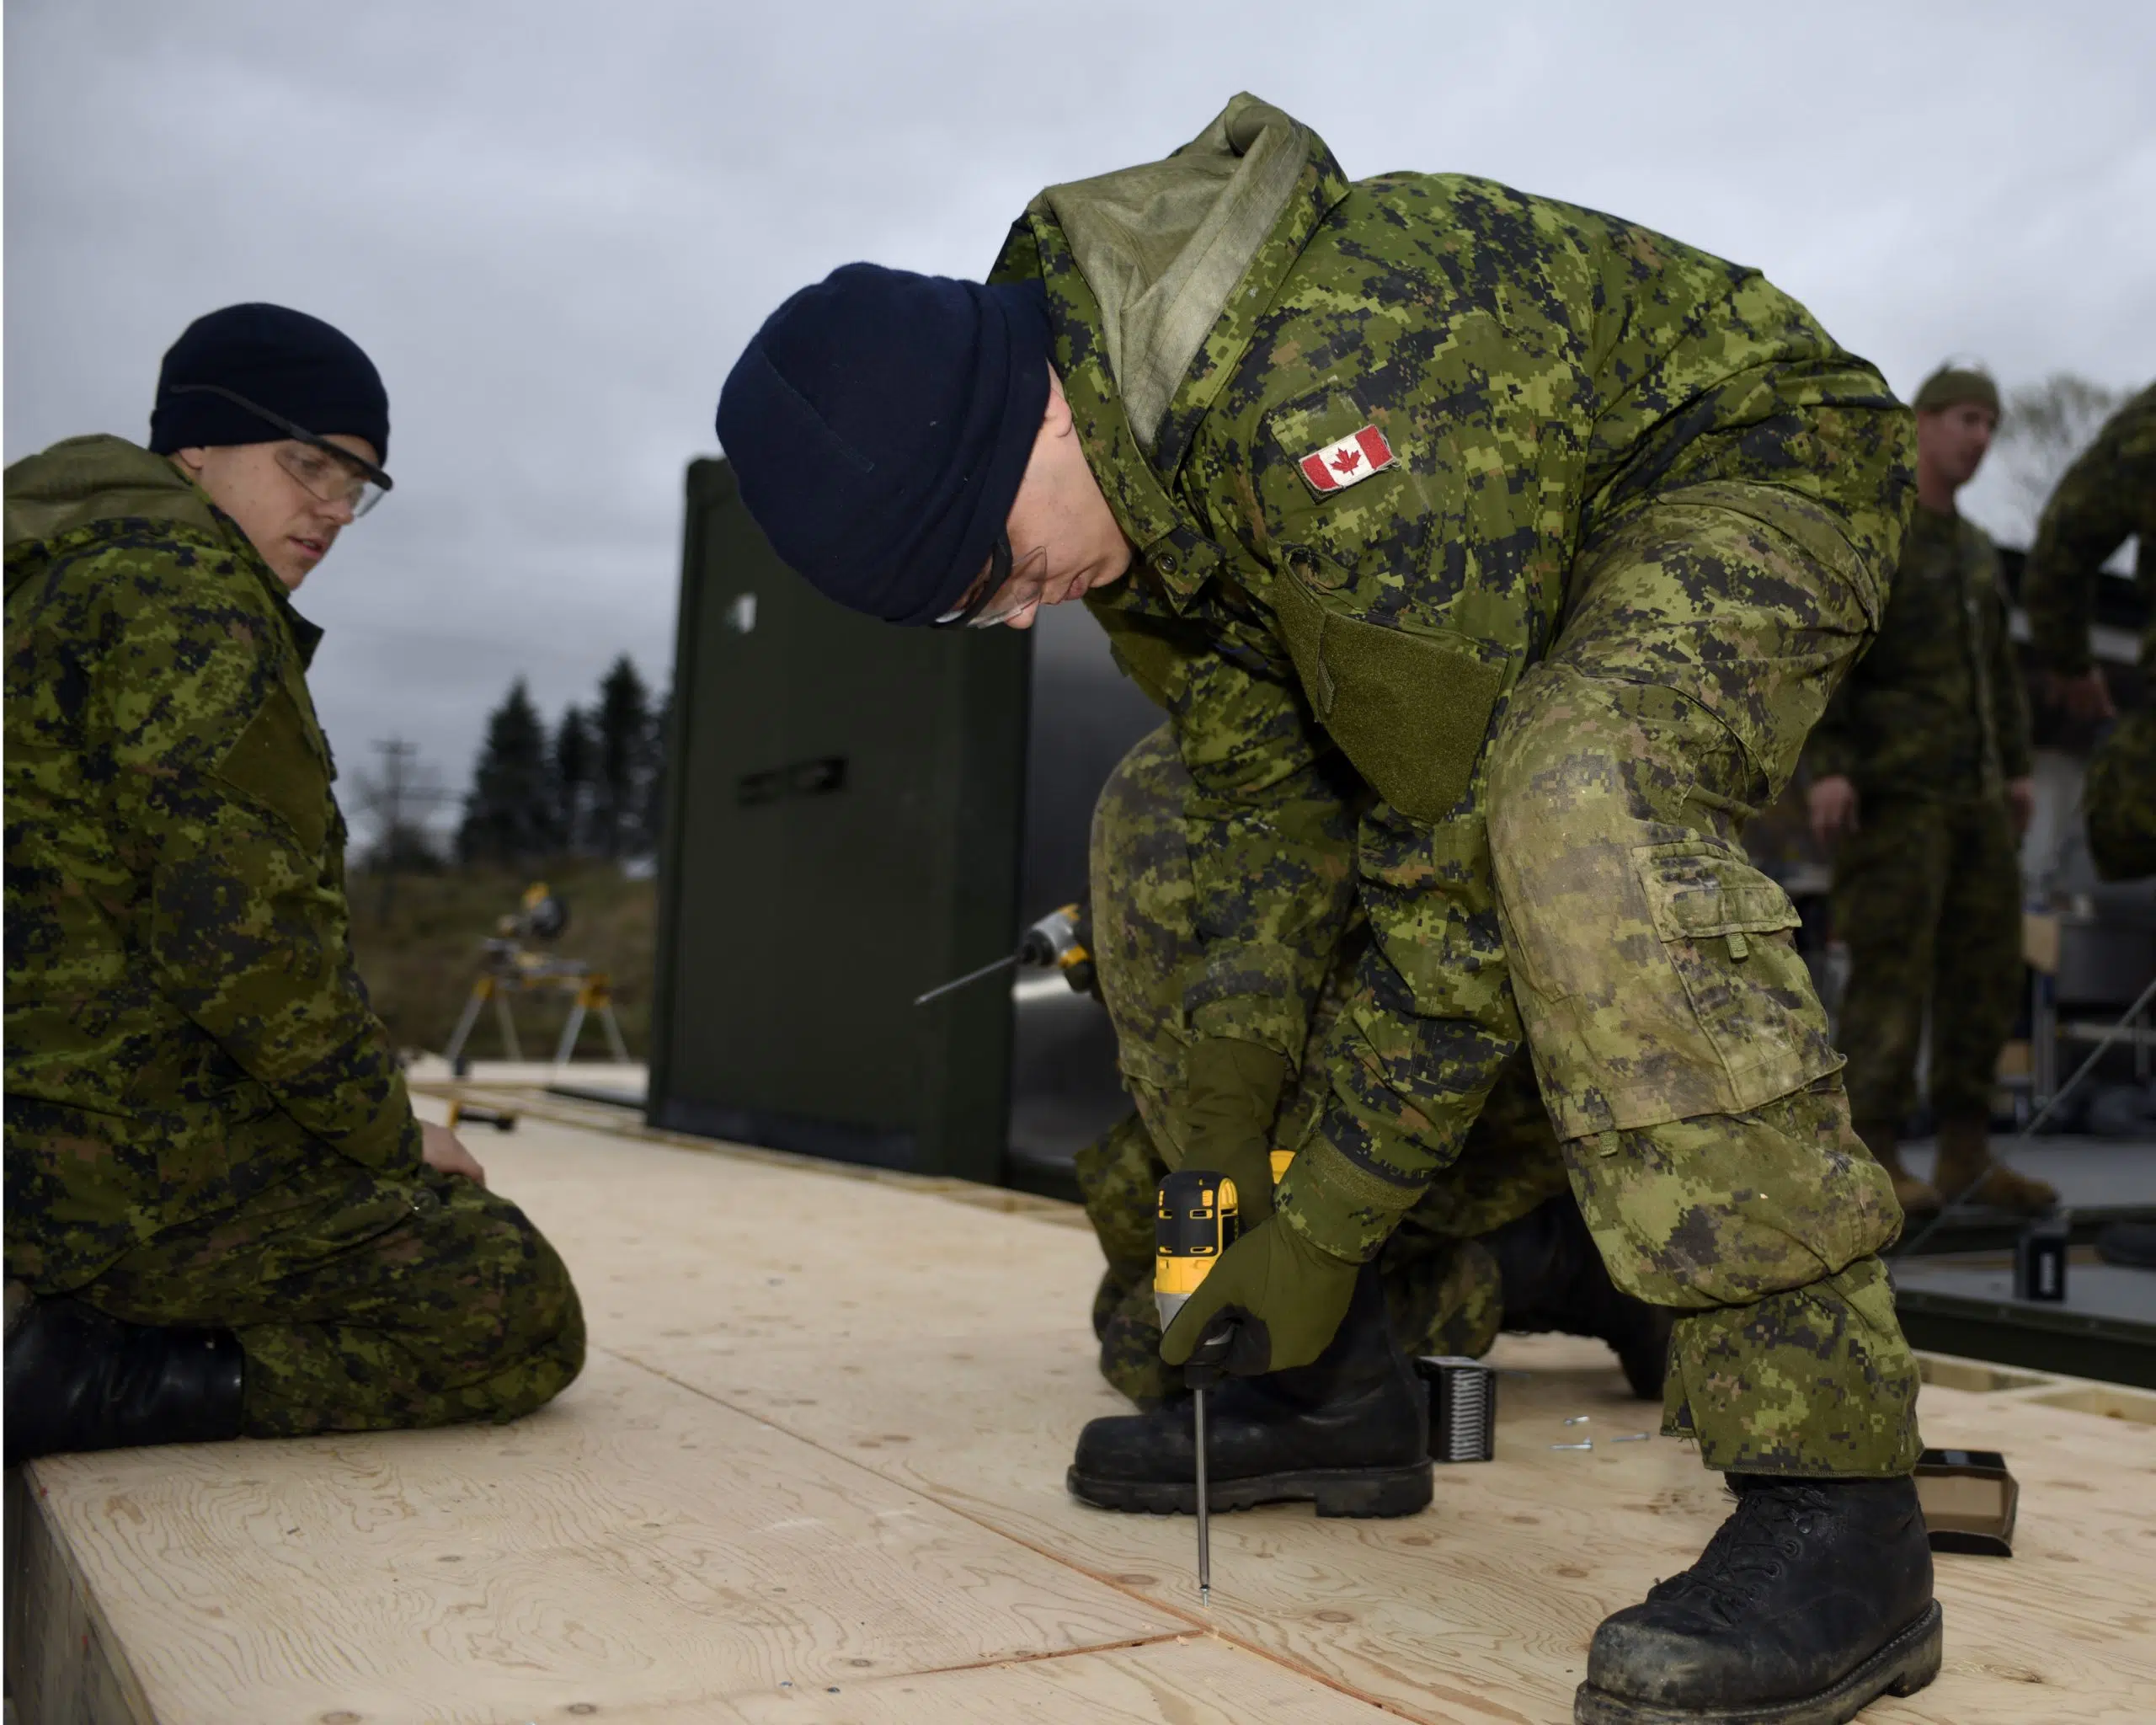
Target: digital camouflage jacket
(1935, 710)
(183, 1022)
(1236, 328)
(2109, 492)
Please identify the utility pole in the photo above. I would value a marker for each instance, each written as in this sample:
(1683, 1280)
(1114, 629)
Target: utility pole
(398, 790)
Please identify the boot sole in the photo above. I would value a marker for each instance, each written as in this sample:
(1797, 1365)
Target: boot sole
(1903, 1667)
(1372, 1491)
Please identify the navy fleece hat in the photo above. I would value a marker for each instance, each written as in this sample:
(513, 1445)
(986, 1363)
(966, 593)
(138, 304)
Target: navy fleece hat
(306, 370)
(879, 423)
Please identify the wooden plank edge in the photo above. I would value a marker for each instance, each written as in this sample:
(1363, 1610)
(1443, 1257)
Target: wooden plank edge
(64, 1666)
(557, 1112)
(2098, 1398)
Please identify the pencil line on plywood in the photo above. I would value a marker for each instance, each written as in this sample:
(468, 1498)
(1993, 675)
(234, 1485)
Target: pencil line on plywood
(1062, 1559)
(1166, 1638)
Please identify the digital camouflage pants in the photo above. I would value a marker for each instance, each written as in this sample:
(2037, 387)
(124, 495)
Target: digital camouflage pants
(1681, 1050)
(1442, 1288)
(364, 1303)
(1928, 898)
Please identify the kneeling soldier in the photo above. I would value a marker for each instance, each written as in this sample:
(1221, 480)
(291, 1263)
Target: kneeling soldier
(222, 1217)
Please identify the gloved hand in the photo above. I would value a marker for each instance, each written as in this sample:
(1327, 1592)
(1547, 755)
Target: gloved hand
(1285, 1295)
(1232, 1090)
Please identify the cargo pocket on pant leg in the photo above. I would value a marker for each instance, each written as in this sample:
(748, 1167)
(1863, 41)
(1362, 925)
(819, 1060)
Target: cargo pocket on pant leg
(1727, 932)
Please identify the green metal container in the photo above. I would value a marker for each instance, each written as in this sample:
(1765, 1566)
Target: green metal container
(845, 813)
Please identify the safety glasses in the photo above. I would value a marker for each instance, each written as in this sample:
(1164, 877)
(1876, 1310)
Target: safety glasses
(323, 470)
(1000, 592)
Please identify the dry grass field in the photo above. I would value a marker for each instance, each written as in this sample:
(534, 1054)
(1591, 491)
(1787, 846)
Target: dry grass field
(420, 956)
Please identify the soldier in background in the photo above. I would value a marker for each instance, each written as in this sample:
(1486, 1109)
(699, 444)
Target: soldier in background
(2109, 492)
(222, 1217)
(1920, 783)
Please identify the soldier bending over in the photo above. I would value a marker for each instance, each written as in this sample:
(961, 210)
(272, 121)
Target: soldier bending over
(1556, 534)
(223, 1219)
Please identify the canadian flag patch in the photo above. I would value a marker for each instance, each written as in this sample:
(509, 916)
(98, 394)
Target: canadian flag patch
(1349, 462)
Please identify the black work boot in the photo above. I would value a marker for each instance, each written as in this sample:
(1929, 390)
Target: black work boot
(1554, 1279)
(78, 1380)
(1350, 1432)
(1810, 1602)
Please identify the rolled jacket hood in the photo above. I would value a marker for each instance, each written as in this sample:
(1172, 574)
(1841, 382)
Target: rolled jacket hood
(84, 480)
(1181, 256)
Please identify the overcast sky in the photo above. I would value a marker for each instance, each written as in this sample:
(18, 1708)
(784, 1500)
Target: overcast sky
(554, 225)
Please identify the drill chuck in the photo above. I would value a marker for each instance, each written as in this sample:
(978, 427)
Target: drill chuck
(1051, 942)
(1055, 942)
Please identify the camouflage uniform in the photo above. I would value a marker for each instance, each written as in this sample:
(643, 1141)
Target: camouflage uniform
(1443, 1289)
(2107, 494)
(1636, 525)
(1929, 727)
(205, 1124)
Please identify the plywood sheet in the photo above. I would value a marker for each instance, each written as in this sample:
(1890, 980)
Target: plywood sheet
(1482, 1607)
(820, 1448)
(669, 1245)
(977, 1383)
(636, 1544)
(1194, 1681)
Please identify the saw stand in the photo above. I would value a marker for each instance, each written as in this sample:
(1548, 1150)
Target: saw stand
(508, 968)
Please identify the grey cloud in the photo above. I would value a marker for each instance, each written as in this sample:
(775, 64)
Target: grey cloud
(554, 225)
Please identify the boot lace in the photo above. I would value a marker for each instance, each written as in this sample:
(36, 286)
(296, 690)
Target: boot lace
(1749, 1551)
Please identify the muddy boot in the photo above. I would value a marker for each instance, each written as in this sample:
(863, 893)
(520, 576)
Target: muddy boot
(1918, 1197)
(78, 1380)
(1554, 1279)
(1812, 1599)
(1966, 1174)
(1349, 1433)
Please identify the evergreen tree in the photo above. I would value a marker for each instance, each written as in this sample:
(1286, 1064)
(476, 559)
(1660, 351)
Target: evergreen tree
(622, 771)
(509, 811)
(574, 754)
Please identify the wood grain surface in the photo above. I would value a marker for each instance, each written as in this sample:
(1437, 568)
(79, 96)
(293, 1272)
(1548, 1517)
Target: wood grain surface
(1189, 1681)
(814, 1471)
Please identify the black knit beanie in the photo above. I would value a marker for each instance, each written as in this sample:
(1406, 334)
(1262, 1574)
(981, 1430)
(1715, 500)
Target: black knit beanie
(299, 368)
(879, 423)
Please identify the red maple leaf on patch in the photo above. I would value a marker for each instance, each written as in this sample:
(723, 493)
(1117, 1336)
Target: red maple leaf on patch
(1347, 461)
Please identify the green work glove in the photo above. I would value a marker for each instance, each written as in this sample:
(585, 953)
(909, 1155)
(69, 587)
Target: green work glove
(1283, 1296)
(1232, 1090)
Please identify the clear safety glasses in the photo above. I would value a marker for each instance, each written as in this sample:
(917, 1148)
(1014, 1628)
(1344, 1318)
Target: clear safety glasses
(1000, 592)
(324, 471)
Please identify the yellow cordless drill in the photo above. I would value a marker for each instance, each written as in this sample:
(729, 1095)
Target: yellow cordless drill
(1197, 1218)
